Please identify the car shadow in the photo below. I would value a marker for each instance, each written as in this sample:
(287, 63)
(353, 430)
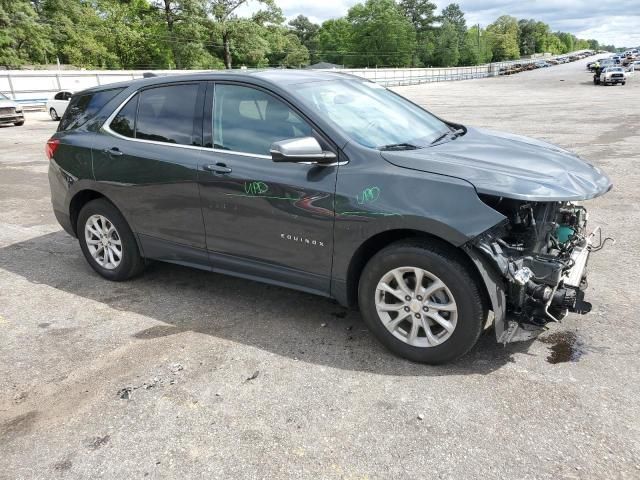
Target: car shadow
(285, 322)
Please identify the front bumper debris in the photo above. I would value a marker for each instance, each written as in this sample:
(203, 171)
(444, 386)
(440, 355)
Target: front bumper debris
(538, 291)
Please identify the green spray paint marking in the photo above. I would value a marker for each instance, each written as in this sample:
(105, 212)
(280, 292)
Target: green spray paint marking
(364, 214)
(368, 195)
(255, 188)
(262, 196)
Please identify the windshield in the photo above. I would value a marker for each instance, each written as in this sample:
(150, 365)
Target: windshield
(372, 115)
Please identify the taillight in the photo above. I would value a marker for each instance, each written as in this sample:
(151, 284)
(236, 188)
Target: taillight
(51, 147)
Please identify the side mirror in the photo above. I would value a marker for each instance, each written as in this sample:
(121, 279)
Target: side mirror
(300, 150)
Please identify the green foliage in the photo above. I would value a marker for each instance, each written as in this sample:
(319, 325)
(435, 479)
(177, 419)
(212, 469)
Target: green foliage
(503, 38)
(476, 49)
(22, 38)
(381, 34)
(453, 15)
(422, 15)
(307, 33)
(446, 52)
(208, 34)
(334, 41)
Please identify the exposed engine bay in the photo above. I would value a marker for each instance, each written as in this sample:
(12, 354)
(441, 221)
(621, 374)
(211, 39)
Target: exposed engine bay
(541, 251)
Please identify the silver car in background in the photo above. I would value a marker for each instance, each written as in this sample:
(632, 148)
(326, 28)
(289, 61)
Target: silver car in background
(10, 112)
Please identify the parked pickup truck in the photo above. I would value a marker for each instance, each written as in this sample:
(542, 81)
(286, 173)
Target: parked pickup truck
(613, 75)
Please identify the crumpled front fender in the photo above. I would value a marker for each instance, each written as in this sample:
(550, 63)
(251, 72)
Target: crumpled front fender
(495, 284)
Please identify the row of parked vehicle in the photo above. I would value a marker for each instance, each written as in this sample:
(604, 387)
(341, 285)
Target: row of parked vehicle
(615, 69)
(629, 60)
(550, 62)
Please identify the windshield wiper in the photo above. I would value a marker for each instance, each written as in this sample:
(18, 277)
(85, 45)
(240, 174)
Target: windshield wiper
(445, 134)
(398, 146)
(456, 133)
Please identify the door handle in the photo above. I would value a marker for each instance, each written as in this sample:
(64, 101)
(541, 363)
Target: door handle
(114, 152)
(219, 168)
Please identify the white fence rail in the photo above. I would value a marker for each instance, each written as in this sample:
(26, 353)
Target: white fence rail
(34, 87)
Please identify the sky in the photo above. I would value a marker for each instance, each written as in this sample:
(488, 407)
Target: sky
(608, 21)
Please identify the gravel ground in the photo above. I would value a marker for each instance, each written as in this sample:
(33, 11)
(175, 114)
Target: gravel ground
(183, 373)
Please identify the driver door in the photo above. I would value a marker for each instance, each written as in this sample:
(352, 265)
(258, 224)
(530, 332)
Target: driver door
(262, 219)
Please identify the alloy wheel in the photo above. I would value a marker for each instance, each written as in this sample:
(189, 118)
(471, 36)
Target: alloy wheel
(416, 306)
(103, 242)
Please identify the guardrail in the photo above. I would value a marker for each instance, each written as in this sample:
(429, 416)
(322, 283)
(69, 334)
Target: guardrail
(34, 87)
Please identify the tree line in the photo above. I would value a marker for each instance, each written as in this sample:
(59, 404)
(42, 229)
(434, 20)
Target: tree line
(211, 34)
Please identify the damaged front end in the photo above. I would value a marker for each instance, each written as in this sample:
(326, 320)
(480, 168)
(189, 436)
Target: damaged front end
(534, 264)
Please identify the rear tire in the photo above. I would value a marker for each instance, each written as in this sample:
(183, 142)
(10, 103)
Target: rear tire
(53, 114)
(452, 310)
(19, 124)
(107, 242)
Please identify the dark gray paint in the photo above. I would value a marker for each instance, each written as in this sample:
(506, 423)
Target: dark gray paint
(511, 166)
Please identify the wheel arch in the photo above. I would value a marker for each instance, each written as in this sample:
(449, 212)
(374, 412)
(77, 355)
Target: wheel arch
(381, 240)
(84, 196)
(79, 200)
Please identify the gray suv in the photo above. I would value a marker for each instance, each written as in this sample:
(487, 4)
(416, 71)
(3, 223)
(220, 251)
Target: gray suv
(332, 185)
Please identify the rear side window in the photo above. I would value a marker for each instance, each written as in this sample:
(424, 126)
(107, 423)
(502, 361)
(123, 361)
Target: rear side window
(125, 122)
(166, 114)
(85, 106)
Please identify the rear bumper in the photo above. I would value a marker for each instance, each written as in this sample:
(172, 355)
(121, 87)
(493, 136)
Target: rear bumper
(64, 221)
(59, 197)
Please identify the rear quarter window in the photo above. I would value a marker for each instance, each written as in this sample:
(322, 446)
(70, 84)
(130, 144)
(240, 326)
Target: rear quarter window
(85, 106)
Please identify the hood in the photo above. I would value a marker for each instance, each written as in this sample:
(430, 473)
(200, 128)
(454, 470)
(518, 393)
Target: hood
(7, 103)
(510, 166)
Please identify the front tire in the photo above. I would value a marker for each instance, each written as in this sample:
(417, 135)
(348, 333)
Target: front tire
(19, 124)
(107, 242)
(422, 302)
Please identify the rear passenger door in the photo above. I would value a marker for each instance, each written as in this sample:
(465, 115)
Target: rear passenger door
(147, 159)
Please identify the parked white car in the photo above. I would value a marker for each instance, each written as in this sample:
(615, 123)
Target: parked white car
(613, 75)
(10, 112)
(58, 104)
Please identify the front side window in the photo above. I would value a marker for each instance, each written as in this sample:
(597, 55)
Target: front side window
(370, 114)
(249, 120)
(166, 114)
(124, 122)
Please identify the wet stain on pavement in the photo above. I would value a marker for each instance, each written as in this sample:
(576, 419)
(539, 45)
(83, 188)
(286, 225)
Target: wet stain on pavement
(18, 425)
(62, 465)
(62, 332)
(98, 442)
(564, 347)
